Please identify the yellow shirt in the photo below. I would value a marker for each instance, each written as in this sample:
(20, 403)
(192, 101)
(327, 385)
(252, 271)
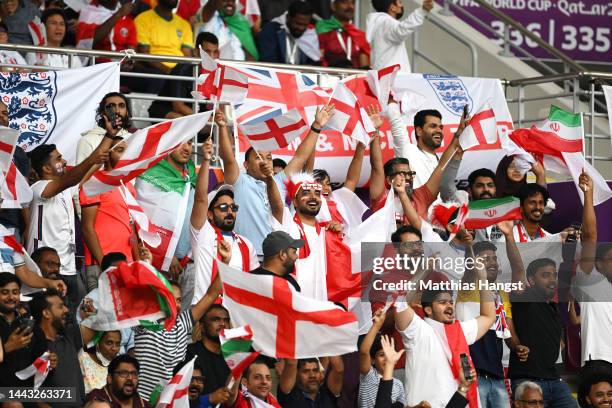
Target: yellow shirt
(468, 304)
(163, 37)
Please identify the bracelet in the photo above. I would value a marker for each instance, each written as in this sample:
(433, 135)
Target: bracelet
(314, 129)
(463, 389)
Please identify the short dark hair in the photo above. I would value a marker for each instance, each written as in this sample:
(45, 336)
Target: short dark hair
(112, 257)
(320, 175)
(122, 358)
(480, 173)
(584, 388)
(248, 153)
(405, 229)
(258, 360)
(303, 8)
(40, 302)
(102, 105)
(196, 364)
(602, 250)
(388, 168)
(531, 189)
(38, 253)
(213, 307)
(218, 196)
(205, 36)
(52, 12)
(376, 346)
(431, 295)
(303, 361)
(382, 6)
(39, 157)
(419, 118)
(533, 266)
(279, 162)
(481, 246)
(7, 277)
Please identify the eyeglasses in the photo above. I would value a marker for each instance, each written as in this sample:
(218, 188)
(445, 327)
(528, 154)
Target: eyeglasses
(534, 403)
(198, 378)
(404, 173)
(126, 374)
(226, 207)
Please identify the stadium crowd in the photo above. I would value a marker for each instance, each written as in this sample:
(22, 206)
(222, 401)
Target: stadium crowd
(264, 219)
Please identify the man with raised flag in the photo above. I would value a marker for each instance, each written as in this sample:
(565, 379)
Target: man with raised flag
(250, 186)
(434, 344)
(212, 221)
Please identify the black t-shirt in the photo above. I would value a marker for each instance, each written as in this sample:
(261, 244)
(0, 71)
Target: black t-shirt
(538, 326)
(173, 88)
(487, 354)
(68, 371)
(298, 399)
(287, 277)
(16, 360)
(215, 368)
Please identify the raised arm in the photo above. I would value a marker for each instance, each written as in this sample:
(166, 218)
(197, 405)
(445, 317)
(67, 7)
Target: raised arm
(589, 224)
(354, 170)
(104, 30)
(287, 378)
(400, 32)
(399, 132)
(377, 174)
(399, 186)
(365, 362)
(200, 202)
(487, 306)
(336, 375)
(448, 188)
(231, 170)
(514, 255)
(540, 173)
(209, 9)
(307, 147)
(211, 295)
(277, 205)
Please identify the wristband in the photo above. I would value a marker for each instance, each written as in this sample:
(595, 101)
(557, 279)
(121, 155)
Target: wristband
(314, 129)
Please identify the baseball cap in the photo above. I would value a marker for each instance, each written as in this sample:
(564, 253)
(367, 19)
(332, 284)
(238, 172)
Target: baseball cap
(213, 194)
(278, 241)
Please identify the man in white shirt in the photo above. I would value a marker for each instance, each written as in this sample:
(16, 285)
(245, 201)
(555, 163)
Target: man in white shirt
(387, 34)
(533, 199)
(422, 155)
(52, 210)
(429, 359)
(212, 222)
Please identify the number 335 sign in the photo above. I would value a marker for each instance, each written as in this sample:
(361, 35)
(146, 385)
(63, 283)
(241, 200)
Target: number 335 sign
(579, 28)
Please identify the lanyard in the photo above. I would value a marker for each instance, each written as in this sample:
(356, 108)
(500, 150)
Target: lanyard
(291, 51)
(347, 47)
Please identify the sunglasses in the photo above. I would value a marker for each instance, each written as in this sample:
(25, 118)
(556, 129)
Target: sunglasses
(404, 173)
(226, 207)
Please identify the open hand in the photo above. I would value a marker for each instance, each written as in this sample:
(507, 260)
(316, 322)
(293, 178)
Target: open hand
(323, 115)
(375, 116)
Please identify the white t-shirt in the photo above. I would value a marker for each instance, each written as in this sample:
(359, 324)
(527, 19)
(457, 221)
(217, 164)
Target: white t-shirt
(11, 57)
(204, 250)
(311, 271)
(53, 60)
(428, 370)
(521, 235)
(52, 225)
(594, 293)
(229, 45)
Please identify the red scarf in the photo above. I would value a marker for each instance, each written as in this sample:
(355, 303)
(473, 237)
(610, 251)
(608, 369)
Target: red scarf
(305, 250)
(244, 253)
(359, 37)
(333, 211)
(458, 345)
(523, 236)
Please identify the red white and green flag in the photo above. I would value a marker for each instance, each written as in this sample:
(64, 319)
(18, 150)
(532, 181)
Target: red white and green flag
(236, 346)
(558, 142)
(176, 393)
(484, 213)
(134, 294)
(39, 369)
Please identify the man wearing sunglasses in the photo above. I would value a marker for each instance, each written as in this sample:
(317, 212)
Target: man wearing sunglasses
(121, 387)
(212, 230)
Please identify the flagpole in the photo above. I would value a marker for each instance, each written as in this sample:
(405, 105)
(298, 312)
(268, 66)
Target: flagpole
(229, 388)
(130, 215)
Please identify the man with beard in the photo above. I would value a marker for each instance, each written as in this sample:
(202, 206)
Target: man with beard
(303, 384)
(538, 326)
(596, 391)
(52, 333)
(387, 34)
(236, 41)
(121, 384)
(51, 209)
(533, 198)
(288, 39)
(280, 254)
(256, 383)
(429, 376)
(423, 196)
(212, 222)
(209, 357)
(48, 262)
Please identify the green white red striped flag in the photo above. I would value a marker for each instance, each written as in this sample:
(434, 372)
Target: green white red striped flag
(236, 349)
(484, 213)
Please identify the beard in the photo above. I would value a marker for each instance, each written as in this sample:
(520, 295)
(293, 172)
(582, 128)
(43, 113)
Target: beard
(223, 226)
(400, 14)
(289, 268)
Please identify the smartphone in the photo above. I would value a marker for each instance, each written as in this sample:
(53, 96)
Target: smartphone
(28, 325)
(466, 111)
(465, 365)
(112, 117)
(577, 226)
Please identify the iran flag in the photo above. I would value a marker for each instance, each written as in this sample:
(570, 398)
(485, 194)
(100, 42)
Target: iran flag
(131, 295)
(484, 213)
(39, 369)
(558, 142)
(285, 323)
(55, 107)
(236, 346)
(176, 393)
(277, 132)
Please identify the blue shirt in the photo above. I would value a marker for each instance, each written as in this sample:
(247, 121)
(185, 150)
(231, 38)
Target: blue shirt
(253, 216)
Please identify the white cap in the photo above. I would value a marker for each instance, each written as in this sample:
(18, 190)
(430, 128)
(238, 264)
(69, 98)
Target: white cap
(223, 187)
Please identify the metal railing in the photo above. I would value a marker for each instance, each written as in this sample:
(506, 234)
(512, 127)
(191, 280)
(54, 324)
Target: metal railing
(583, 90)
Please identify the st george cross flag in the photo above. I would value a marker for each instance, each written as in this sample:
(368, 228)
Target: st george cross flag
(349, 117)
(484, 213)
(57, 106)
(559, 140)
(380, 82)
(37, 31)
(176, 393)
(146, 231)
(16, 191)
(285, 323)
(236, 349)
(220, 83)
(90, 18)
(277, 132)
(39, 369)
(481, 130)
(144, 149)
(131, 295)
(8, 139)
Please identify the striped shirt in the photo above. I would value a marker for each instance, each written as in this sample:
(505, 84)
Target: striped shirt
(368, 387)
(159, 352)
